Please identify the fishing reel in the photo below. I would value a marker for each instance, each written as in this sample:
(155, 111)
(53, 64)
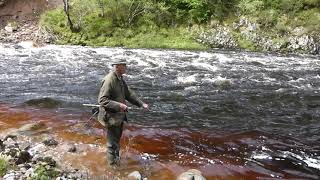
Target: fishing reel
(95, 111)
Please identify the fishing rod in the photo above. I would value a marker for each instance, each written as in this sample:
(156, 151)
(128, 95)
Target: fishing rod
(128, 108)
(97, 105)
(95, 111)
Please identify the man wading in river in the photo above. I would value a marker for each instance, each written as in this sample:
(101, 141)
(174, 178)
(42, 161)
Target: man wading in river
(112, 111)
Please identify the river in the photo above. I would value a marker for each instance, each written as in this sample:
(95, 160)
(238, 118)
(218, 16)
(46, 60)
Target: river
(230, 114)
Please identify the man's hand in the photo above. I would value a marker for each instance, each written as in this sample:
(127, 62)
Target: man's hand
(145, 106)
(123, 107)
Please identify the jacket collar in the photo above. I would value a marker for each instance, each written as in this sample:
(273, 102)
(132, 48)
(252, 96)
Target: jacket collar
(118, 77)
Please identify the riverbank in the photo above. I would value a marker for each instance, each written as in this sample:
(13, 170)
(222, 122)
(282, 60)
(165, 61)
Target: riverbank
(252, 26)
(19, 21)
(43, 157)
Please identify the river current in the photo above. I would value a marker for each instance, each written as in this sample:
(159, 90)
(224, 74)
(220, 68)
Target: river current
(229, 114)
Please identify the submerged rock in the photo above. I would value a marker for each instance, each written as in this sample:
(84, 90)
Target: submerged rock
(32, 127)
(44, 102)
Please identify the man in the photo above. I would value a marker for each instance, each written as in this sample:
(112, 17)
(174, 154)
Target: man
(112, 112)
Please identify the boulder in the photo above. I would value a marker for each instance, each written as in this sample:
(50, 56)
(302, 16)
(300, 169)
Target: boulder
(191, 174)
(10, 28)
(50, 142)
(23, 157)
(135, 175)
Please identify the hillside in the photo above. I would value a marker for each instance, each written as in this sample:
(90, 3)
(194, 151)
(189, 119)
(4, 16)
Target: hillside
(23, 17)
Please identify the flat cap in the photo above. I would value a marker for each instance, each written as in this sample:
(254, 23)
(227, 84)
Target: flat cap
(119, 61)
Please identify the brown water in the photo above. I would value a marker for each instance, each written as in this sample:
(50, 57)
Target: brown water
(162, 165)
(160, 153)
(232, 115)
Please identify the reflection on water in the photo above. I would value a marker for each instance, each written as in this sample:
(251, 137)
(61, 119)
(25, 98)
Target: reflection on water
(228, 114)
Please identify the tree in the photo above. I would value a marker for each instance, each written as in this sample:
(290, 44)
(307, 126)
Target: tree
(66, 8)
(101, 5)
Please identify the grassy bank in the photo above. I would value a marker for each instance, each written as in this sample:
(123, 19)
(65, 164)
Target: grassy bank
(98, 31)
(175, 23)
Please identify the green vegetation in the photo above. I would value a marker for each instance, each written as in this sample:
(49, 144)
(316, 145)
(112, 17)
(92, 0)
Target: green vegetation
(4, 165)
(172, 23)
(44, 173)
(281, 15)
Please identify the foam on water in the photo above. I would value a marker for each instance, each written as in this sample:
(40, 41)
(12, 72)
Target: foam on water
(312, 162)
(222, 58)
(187, 79)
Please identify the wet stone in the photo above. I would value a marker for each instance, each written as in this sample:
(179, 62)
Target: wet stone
(1, 145)
(135, 175)
(29, 172)
(48, 160)
(50, 142)
(72, 149)
(23, 157)
(10, 142)
(13, 152)
(10, 176)
(24, 146)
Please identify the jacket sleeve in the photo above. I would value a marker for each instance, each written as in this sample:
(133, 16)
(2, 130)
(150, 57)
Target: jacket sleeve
(131, 96)
(105, 97)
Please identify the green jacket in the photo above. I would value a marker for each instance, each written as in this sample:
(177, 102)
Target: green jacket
(114, 91)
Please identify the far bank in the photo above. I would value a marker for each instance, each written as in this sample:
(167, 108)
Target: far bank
(264, 26)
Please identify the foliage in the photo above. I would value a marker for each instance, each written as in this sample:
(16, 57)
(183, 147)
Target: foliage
(312, 3)
(80, 9)
(309, 19)
(282, 15)
(166, 23)
(3, 167)
(43, 173)
(251, 6)
(4, 164)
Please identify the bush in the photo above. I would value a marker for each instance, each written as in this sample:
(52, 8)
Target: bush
(268, 18)
(282, 25)
(251, 6)
(54, 21)
(312, 3)
(289, 6)
(309, 19)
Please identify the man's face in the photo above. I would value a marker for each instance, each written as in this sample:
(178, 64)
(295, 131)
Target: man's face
(121, 69)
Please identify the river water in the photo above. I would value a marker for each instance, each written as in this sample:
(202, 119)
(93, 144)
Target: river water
(230, 114)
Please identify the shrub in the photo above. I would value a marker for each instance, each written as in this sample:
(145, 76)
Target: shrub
(309, 19)
(268, 18)
(312, 3)
(251, 6)
(4, 165)
(289, 6)
(43, 173)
